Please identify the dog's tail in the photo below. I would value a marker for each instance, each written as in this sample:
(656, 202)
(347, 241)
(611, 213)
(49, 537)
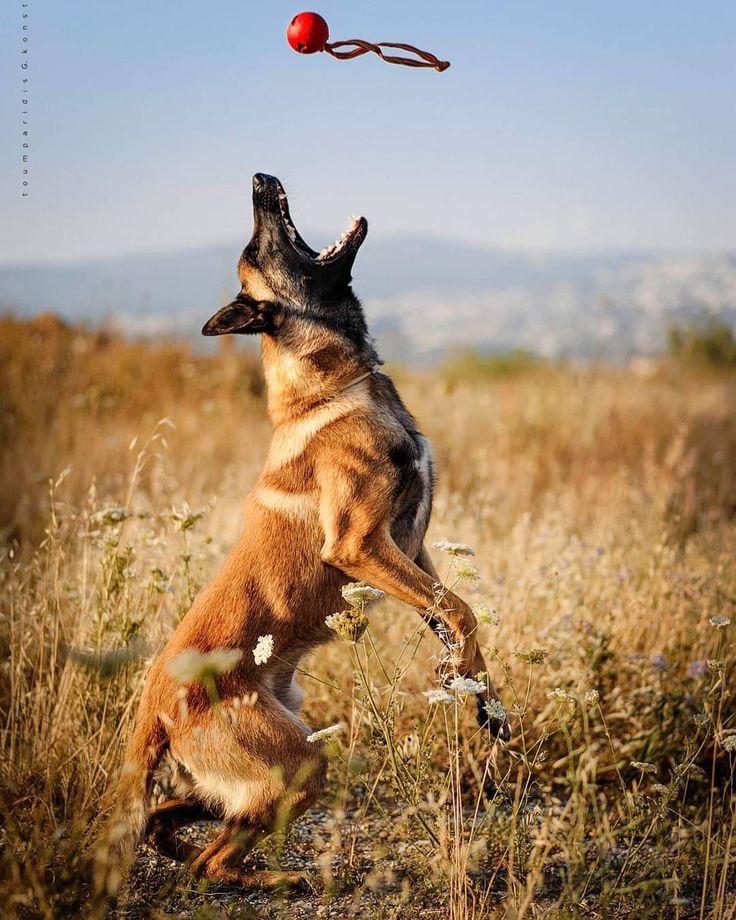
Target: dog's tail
(125, 827)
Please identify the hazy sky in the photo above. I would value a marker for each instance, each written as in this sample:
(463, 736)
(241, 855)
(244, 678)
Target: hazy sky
(560, 125)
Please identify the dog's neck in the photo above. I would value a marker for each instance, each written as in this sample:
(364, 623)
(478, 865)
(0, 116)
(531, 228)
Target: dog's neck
(301, 378)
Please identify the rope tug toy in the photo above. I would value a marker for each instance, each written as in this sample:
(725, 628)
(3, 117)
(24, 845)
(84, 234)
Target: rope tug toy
(308, 33)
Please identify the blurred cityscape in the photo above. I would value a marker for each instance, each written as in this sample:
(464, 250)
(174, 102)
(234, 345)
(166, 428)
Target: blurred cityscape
(423, 297)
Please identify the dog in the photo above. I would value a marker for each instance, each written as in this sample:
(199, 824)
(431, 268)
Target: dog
(345, 495)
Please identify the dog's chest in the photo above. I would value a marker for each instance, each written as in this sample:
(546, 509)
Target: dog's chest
(414, 493)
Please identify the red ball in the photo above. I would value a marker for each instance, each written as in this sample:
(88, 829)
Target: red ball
(307, 33)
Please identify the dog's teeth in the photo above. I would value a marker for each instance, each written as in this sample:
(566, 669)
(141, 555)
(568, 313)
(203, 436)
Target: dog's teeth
(340, 243)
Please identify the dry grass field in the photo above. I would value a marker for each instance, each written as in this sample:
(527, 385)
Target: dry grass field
(601, 505)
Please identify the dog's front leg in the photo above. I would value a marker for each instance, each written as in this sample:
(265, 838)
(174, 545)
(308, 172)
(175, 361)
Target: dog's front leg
(378, 561)
(496, 725)
(357, 540)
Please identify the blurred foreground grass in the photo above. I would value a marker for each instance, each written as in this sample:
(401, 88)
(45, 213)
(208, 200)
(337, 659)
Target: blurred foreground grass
(601, 505)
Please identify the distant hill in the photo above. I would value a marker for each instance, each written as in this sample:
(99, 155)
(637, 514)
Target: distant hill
(422, 296)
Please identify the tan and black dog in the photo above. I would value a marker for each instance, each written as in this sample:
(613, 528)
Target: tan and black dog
(345, 494)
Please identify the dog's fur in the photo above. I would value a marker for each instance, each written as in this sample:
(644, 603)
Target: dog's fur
(345, 494)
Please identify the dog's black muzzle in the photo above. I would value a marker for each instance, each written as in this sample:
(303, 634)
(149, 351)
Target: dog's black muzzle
(266, 192)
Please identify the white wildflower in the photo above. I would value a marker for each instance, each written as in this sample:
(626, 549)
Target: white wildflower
(532, 655)
(659, 788)
(264, 649)
(466, 570)
(110, 516)
(592, 697)
(644, 767)
(464, 685)
(438, 696)
(486, 616)
(695, 772)
(361, 595)
(562, 697)
(496, 710)
(454, 549)
(349, 624)
(720, 622)
(325, 732)
(192, 665)
(729, 744)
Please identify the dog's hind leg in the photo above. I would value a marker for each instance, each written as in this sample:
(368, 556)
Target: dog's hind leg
(222, 860)
(263, 773)
(167, 818)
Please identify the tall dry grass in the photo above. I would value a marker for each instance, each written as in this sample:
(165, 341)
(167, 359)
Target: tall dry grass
(600, 504)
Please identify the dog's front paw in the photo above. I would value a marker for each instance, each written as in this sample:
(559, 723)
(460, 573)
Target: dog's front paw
(492, 715)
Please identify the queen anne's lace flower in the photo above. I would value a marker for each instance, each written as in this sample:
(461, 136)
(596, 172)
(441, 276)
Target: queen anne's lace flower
(191, 665)
(496, 710)
(532, 655)
(486, 616)
(720, 622)
(562, 696)
(438, 696)
(264, 649)
(644, 767)
(464, 685)
(466, 570)
(349, 624)
(729, 744)
(454, 549)
(360, 595)
(325, 732)
(695, 772)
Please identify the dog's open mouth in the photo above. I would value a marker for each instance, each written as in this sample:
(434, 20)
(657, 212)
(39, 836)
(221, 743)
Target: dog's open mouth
(350, 239)
(334, 250)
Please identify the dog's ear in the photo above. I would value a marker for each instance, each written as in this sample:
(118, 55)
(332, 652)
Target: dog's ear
(243, 316)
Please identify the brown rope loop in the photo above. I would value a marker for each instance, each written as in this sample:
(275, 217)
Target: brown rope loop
(361, 47)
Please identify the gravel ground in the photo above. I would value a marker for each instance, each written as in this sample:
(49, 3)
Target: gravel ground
(366, 877)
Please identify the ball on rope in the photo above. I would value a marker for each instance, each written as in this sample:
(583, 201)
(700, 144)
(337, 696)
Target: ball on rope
(308, 33)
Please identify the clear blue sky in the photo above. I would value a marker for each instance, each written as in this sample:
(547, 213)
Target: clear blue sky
(560, 125)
